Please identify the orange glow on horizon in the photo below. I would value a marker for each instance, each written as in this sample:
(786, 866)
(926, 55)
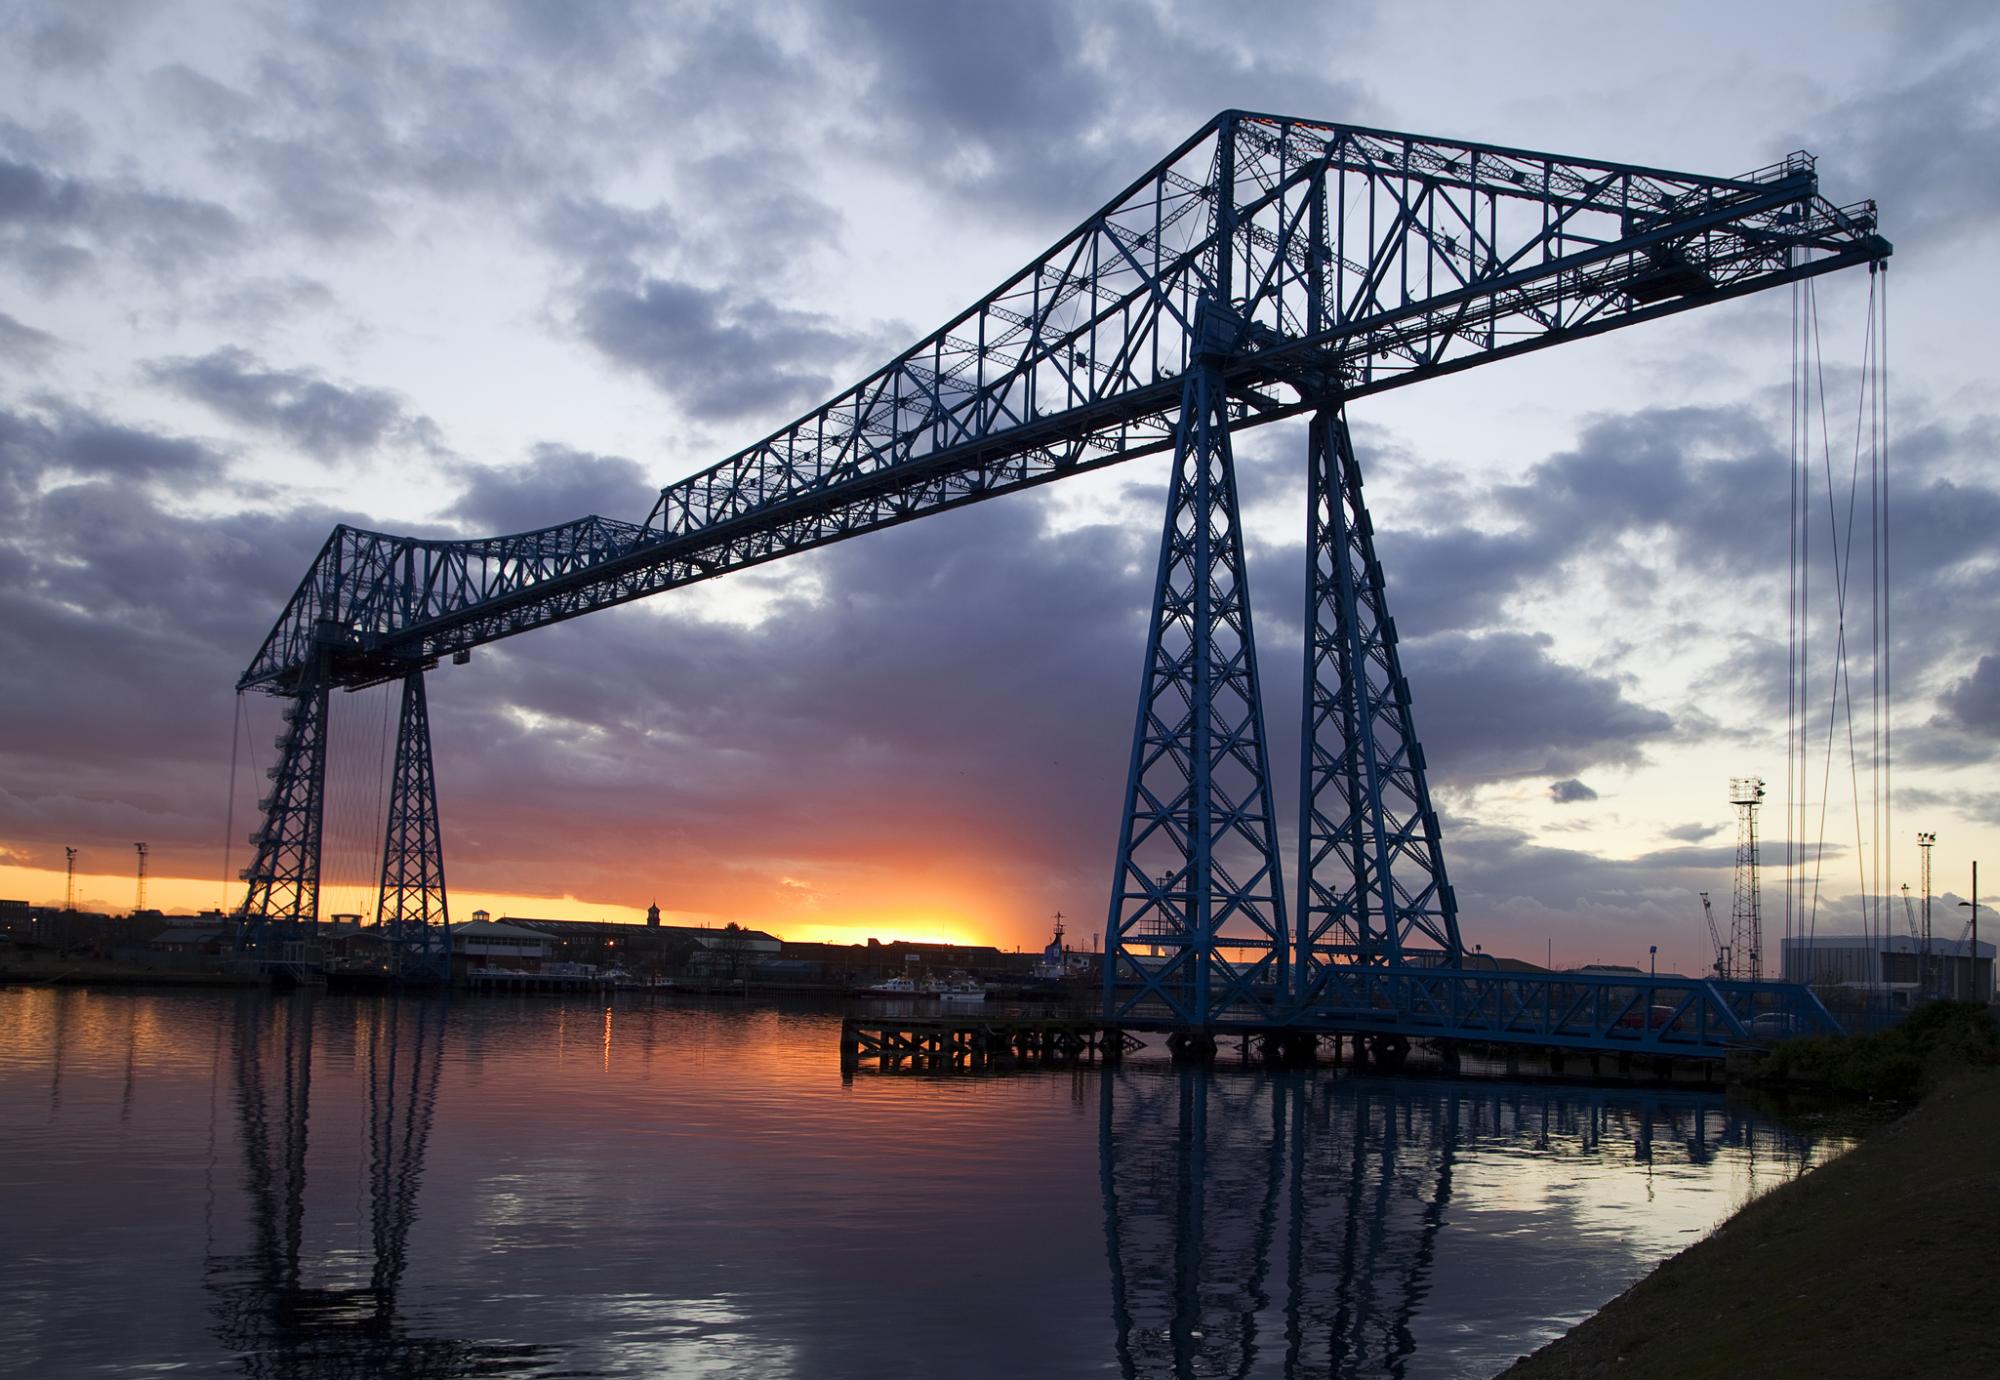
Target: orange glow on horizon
(914, 919)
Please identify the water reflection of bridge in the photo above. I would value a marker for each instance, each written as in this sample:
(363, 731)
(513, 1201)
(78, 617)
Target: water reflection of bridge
(282, 1307)
(1257, 1216)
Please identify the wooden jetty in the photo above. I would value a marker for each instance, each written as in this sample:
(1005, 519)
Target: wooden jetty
(544, 980)
(977, 1041)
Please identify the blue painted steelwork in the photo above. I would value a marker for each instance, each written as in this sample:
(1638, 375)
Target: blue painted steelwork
(1592, 1012)
(1372, 885)
(1197, 917)
(278, 922)
(1353, 261)
(412, 908)
(1267, 268)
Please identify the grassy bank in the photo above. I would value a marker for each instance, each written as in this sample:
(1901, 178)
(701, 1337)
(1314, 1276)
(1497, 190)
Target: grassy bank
(1879, 1264)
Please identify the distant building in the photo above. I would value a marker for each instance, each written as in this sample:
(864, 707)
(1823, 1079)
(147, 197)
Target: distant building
(497, 944)
(1896, 963)
(185, 938)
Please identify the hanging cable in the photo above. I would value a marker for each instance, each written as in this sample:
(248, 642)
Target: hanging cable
(382, 772)
(1793, 733)
(1842, 694)
(229, 811)
(1888, 697)
(1791, 617)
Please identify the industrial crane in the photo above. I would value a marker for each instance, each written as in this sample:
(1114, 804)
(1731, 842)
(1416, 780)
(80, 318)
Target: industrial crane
(1715, 938)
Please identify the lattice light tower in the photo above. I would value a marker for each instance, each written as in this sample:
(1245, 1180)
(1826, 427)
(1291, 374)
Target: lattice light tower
(139, 901)
(69, 891)
(1924, 984)
(1746, 921)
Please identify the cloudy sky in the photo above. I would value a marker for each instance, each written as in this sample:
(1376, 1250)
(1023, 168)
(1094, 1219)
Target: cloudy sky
(475, 268)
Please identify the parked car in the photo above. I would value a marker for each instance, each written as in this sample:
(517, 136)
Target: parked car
(1775, 1025)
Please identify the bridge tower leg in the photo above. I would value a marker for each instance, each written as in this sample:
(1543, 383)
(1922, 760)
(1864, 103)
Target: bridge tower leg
(1197, 931)
(411, 908)
(1372, 885)
(281, 907)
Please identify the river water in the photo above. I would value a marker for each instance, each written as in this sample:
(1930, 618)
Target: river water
(239, 1184)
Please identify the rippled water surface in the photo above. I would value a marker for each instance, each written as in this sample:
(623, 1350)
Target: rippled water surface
(225, 1184)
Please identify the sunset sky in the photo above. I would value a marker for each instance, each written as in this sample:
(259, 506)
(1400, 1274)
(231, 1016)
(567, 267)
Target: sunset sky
(268, 267)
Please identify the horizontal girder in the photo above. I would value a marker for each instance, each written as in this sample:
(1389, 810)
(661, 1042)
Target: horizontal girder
(1603, 1013)
(1350, 261)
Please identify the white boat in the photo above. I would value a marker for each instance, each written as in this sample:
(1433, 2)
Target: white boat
(961, 990)
(895, 987)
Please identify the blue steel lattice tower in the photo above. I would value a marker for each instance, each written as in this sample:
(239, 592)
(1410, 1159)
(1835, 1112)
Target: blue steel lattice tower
(1196, 932)
(1372, 886)
(281, 906)
(412, 907)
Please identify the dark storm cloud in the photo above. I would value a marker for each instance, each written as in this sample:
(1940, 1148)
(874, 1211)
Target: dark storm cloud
(1924, 150)
(1694, 833)
(917, 684)
(56, 442)
(22, 345)
(1016, 104)
(62, 43)
(1570, 792)
(1919, 803)
(123, 626)
(1973, 704)
(1498, 705)
(908, 691)
(1663, 501)
(601, 237)
(722, 356)
(556, 485)
(324, 419)
(57, 224)
(350, 118)
(258, 304)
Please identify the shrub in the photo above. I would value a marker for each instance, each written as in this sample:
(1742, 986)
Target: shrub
(1939, 1039)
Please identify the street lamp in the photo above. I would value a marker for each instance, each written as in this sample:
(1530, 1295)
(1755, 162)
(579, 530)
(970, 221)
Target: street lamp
(1652, 960)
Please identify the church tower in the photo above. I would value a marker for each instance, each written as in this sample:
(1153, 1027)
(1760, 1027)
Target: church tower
(653, 915)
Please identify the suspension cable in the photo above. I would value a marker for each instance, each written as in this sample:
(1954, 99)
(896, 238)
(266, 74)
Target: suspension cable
(229, 810)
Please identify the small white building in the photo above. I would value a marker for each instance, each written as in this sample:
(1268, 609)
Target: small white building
(1894, 963)
(497, 944)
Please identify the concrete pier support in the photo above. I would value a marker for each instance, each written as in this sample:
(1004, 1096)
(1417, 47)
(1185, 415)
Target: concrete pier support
(1191, 1047)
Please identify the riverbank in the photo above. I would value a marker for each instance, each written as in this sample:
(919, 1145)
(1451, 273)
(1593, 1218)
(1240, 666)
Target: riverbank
(49, 970)
(1880, 1263)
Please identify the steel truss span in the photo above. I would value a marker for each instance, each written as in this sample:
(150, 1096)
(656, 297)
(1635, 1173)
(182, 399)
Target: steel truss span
(1268, 267)
(1346, 260)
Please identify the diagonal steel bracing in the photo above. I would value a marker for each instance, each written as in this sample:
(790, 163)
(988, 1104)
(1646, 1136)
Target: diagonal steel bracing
(281, 905)
(1197, 919)
(1352, 260)
(1372, 885)
(1264, 266)
(412, 908)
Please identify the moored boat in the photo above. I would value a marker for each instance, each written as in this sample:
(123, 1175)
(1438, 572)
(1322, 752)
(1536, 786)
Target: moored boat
(895, 987)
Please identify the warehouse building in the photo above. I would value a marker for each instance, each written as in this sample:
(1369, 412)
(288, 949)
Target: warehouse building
(1894, 964)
